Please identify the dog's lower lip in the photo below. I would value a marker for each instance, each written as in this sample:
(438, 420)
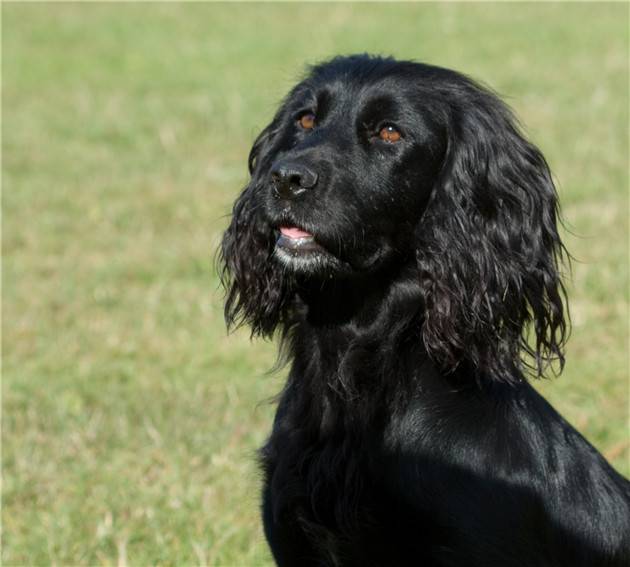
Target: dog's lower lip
(304, 244)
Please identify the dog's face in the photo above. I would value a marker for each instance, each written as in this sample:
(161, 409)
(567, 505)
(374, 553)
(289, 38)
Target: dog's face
(372, 165)
(352, 163)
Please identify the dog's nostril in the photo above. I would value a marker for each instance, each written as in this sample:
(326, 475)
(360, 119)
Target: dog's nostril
(295, 179)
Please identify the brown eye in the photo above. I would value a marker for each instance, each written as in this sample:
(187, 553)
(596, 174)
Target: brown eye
(307, 121)
(389, 134)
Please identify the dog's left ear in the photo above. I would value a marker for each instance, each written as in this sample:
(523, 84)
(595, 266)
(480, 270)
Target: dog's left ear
(488, 247)
(257, 293)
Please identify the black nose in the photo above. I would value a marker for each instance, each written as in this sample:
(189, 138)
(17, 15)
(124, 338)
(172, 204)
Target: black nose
(291, 179)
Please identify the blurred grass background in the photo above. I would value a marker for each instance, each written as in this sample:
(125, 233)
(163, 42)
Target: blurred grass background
(130, 421)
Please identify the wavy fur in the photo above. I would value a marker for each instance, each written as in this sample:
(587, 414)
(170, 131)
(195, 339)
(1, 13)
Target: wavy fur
(407, 433)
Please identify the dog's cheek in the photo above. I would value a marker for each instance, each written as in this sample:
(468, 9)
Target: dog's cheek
(417, 175)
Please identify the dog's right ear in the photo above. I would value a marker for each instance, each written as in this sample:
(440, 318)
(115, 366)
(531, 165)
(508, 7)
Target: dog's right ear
(489, 250)
(257, 292)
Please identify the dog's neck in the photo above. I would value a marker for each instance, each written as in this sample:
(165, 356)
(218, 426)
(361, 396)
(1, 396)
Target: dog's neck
(357, 306)
(350, 331)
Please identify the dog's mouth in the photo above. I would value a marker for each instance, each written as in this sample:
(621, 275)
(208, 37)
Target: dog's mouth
(298, 250)
(297, 241)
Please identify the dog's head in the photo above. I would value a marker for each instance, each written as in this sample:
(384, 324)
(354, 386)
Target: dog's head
(372, 163)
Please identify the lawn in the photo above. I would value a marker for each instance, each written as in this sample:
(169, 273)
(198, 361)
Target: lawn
(130, 420)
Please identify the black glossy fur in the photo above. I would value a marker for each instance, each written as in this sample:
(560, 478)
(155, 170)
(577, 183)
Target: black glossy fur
(407, 433)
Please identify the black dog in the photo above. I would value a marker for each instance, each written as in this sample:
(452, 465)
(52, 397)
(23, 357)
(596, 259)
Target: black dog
(401, 234)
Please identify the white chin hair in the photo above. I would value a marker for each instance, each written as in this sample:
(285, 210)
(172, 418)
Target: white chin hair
(305, 263)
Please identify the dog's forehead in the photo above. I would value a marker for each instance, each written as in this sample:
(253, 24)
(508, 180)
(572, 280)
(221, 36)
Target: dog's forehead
(355, 80)
(363, 69)
(352, 91)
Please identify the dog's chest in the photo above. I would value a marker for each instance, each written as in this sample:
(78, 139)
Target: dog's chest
(332, 495)
(320, 472)
(326, 481)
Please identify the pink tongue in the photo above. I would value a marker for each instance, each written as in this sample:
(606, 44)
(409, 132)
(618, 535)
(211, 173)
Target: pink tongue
(293, 232)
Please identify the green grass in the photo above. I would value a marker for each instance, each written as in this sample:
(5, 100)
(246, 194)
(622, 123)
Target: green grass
(130, 421)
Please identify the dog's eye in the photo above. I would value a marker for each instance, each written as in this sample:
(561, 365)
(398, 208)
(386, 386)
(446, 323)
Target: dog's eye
(307, 121)
(389, 134)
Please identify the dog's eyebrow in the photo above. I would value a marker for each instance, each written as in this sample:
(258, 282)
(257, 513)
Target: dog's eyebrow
(317, 101)
(302, 94)
(380, 106)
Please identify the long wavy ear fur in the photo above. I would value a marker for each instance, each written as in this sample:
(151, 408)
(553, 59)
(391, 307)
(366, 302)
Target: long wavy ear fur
(489, 249)
(257, 293)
